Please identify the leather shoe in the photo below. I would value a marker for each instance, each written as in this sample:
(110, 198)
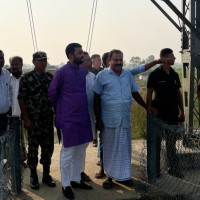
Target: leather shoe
(34, 182)
(108, 184)
(127, 182)
(100, 174)
(68, 193)
(85, 177)
(81, 185)
(49, 181)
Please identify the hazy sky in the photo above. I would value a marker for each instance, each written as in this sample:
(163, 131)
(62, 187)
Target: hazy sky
(136, 27)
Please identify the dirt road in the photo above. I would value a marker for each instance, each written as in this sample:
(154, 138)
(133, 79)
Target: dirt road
(118, 192)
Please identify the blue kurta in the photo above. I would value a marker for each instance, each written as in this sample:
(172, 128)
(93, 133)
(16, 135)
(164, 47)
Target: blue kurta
(68, 93)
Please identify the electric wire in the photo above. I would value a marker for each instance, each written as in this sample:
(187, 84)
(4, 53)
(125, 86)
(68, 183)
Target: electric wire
(33, 26)
(91, 18)
(93, 27)
(31, 22)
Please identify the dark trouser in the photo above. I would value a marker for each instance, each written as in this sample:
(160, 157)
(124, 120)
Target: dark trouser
(171, 152)
(43, 136)
(171, 139)
(158, 150)
(3, 122)
(154, 139)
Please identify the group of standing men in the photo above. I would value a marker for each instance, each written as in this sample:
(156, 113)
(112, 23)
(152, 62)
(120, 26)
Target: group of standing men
(71, 94)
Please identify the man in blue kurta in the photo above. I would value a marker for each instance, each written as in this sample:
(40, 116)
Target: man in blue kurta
(114, 89)
(68, 93)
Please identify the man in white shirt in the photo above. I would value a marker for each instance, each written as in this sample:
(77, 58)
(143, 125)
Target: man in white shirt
(16, 70)
(16, 63)
(4, 94)
(90, 78)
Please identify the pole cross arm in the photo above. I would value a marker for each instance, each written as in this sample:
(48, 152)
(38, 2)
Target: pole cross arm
(170, 19)
(180, 15)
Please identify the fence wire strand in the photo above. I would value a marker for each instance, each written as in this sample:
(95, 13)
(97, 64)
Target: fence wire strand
(178, 175)
(11, 168)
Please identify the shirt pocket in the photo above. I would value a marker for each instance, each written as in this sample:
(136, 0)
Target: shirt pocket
(126, 90)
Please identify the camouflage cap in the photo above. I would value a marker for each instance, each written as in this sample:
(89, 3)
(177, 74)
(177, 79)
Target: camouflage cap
(39, 55)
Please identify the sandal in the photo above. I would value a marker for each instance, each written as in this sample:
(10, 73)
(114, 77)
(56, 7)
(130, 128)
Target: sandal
(98, 163)
(100, 175)
(108, 184)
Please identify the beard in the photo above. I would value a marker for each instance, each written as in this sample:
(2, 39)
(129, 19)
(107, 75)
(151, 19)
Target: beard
(17, 73)
(78, 61)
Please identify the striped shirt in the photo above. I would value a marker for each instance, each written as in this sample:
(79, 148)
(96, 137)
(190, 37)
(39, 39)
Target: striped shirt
(116, 97)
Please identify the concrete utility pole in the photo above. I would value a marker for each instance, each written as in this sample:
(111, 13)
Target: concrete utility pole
(190, 29)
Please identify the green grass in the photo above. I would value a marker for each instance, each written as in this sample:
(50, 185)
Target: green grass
(138, 113)
(138, 117)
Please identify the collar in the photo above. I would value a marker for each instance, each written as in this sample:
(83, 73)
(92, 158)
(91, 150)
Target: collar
(39, 75)
(72, 65)
(112, 72)
(3, 71)
(171, 70)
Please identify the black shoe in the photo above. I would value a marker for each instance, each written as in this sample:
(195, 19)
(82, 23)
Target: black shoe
(108, 184)
(85, 177)
(48, 180)
(34, 182)
(68, 193)
(81, 185)
(98, 163)
(175, 173)
(127, 182)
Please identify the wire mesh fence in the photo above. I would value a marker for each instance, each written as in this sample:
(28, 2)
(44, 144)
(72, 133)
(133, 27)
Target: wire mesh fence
(170, 161)
(10, 162)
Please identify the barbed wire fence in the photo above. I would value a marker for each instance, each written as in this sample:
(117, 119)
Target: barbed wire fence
(170, 161)
(11, 168)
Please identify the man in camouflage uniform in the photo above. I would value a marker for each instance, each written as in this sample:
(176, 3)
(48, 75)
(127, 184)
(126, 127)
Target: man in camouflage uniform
(37, 112)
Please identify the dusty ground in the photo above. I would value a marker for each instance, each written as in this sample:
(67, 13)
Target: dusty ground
(118, 192)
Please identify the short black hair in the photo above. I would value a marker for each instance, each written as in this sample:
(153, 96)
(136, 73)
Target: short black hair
(114, 51)
(86, 53)
(71, 47)
(1, 52)
(95, 56)
(104, 58)
(17, 58)
(166, 51)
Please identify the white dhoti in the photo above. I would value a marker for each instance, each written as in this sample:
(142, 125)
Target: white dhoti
(70, 163)
(117, 153)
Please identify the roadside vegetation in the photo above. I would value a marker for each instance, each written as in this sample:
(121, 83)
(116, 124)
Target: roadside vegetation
(138, 113)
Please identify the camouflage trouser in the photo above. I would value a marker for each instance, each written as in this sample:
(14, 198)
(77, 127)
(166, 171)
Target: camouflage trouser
(42, 135)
